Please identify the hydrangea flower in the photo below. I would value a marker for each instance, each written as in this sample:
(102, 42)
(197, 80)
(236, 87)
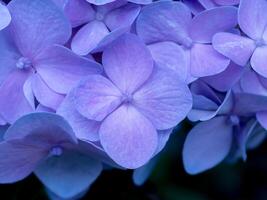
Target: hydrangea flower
(126, 108)
(45, 144)
(171, 21)
(32, 61)
(101, 24)
(5, 16)
(252, 19)
(223, 129)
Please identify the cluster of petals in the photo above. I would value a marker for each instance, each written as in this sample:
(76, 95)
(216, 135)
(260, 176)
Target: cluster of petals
(92, 84)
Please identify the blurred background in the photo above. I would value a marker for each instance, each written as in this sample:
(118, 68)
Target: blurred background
(168, 181)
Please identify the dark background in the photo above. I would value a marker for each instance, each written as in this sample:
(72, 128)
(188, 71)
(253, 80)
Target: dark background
(239, 181)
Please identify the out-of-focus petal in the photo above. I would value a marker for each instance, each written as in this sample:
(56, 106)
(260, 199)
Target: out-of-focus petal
(140, 175)
(128, 137)
(206, 145)
(17, 160)
(69, 174)
(262, 118)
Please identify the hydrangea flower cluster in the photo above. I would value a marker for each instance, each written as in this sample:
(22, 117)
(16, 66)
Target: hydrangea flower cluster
(92, 84)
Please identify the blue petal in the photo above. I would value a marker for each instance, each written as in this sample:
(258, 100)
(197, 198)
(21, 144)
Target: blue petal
(69, 174)
(207, 144)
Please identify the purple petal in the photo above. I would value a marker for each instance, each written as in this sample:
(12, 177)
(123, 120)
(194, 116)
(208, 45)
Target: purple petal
(226, 79)
(2, 123)
(18, 160)
(194, 6)
(140, 175)
(5, 17)
(262, 119)
(109, 39)
(250, 83)
(100, 2)
(79, 12)
(163, 138)
(201, 88)
(237, 48)
(96, 97)
(122, 17)
(205, 61)
(37, 24)
(13, 103)
(69, 174)
(88, 37)
(144, 2)
(227, 2)
(208, 4)
(252, 17)
(244, 135)
(28, 92)
(43, 130)
(202, 28)
(164, 99)
(84, 128)
(8, 55)
(258, 60)
(163, 21)
(45, 95)
(249, 104)
(57, 65)
(203, 109)
(128, 63)
(207, 144)
(170, 55)
(128, 137)
(41, 108)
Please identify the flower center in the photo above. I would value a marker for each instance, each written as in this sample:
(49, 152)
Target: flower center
(56, 151)
(234, 119)
(23, 63)
(99, 16)
(127, 98)
(187, 43)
